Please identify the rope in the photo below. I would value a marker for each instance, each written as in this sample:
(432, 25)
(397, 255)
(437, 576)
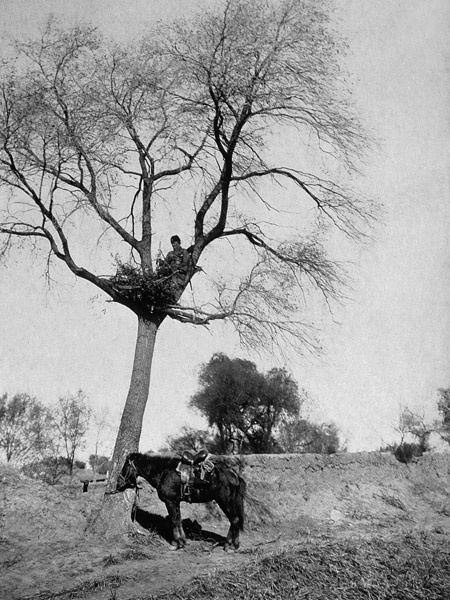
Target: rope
(135, 503)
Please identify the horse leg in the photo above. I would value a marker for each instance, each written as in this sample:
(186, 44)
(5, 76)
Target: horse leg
(179, 537)
(233, 532)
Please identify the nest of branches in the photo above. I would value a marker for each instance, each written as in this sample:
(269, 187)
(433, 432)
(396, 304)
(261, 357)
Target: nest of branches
(151, 290)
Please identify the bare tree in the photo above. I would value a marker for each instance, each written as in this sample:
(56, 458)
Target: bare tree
(71, 420)
(25, 427)
(414, 425)
(102, 429)
(99, 144)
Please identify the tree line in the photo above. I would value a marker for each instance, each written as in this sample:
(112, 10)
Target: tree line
(46, 440)
(247, 411)
(250, 412)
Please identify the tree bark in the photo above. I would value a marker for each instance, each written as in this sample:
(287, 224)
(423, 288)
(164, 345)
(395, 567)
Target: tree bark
(133, 413)
(113, 518)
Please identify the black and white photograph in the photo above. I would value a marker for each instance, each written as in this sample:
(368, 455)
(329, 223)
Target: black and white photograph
(225, 299)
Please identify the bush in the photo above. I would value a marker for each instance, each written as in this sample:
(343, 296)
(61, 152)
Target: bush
(405, 452)
(50, 469)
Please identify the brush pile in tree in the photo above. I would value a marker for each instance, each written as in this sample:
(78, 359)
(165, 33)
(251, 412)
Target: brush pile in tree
(151, 290)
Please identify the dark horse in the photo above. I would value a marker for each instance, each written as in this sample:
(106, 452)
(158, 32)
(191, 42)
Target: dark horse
(221, 484)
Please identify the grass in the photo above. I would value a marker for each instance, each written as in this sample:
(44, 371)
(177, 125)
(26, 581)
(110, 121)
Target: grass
(412, 567)
(110, 583)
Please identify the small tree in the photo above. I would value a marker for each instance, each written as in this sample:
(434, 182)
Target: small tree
(413, 425)
(25, 427)
(243, 404)
(71, 420)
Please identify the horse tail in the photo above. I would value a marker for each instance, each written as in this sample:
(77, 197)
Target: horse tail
(239, 502)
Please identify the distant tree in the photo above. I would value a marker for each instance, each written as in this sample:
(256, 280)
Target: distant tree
(415, 435)
(301, 436)
(227, 389)
(71, 420)
(102, 430)
(25, 427)
(414, 425)
(444, 411)
(243, 404)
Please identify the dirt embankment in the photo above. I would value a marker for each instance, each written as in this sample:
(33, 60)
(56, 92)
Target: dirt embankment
(367, 488)
(45, 549)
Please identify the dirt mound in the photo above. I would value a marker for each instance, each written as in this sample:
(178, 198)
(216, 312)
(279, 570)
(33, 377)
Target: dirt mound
(364, 489)
(371, 488)
(45, 550)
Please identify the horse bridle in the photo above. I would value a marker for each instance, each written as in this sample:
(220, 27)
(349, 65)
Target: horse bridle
(121, 479)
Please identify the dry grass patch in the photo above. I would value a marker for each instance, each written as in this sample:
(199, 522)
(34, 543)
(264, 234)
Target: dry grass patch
(110, 583)
(413, 567)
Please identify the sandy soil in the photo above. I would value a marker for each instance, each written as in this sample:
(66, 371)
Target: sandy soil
(46, 552)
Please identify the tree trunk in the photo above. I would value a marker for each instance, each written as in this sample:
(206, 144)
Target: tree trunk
(133, 413)
(113, 517)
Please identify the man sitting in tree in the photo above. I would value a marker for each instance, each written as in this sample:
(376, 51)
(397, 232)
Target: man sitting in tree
(177, 262)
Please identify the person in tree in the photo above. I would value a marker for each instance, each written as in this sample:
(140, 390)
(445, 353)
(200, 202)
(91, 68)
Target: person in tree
(176, 262)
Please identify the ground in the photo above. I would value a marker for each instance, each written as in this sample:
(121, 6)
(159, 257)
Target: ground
(305, 501)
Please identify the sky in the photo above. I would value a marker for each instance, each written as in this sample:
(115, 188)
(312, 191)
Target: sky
(386, 348)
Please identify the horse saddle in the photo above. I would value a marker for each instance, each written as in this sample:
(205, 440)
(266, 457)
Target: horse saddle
(189, 458)
(194, 470)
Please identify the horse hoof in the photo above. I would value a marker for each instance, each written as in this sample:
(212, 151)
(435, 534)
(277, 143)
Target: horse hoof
(177, 545)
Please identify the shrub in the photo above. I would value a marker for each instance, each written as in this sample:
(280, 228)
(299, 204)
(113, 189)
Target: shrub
(51, 469)
(405, 452)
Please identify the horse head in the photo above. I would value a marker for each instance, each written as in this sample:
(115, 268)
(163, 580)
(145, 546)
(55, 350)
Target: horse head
(127, 477)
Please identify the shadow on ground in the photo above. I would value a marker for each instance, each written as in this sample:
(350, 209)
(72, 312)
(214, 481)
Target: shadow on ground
(162, 527)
